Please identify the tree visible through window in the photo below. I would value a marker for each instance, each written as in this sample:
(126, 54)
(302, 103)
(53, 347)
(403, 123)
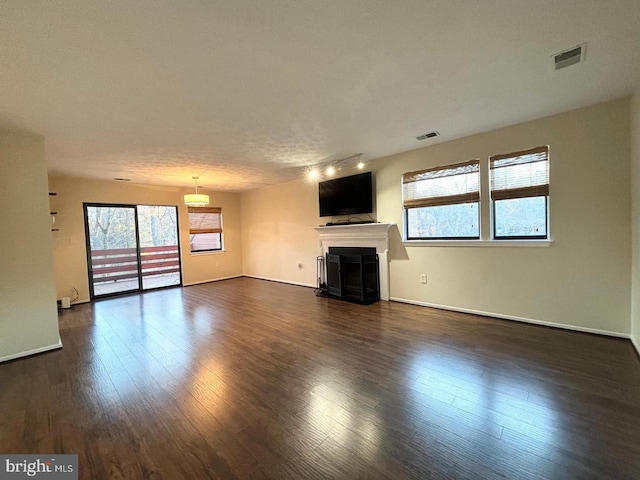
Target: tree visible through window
(131, 247)
(519, 194)
(205, 229)
(442, 202)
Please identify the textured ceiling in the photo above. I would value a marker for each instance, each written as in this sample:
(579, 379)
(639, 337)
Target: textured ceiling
(245, 93)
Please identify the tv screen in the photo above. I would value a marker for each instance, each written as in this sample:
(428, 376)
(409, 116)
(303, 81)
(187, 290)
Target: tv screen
(346, 196)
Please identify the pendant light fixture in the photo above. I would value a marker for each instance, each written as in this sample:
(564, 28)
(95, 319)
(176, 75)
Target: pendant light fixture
(196, 199)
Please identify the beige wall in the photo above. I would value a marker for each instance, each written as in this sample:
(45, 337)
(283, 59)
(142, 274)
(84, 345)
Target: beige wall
(635, 218)
(582, 281)
(28, 315)
(69, 242)
(277, 232)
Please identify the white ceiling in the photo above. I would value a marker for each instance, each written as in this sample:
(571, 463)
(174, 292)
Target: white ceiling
(244, 93)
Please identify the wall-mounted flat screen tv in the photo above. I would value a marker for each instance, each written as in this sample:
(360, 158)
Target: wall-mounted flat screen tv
(346, 196)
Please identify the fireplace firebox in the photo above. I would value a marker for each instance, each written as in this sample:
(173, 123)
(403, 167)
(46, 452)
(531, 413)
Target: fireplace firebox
(353, 274)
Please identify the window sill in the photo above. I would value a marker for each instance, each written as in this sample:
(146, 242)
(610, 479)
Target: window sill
(478, 243)
(212, 252)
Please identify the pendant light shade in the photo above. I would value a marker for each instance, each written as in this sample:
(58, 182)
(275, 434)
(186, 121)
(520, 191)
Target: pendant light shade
(196, 199)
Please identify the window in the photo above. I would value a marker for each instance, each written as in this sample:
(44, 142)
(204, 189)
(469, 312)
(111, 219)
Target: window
(205, 229)
(442, 202)
(520, 194)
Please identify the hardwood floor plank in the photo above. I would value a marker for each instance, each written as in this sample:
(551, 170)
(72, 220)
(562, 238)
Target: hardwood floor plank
(577, 454)
(254, 379)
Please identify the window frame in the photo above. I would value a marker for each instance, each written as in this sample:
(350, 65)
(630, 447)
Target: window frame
(430, 239)
(442, 200)
(543, 188)
(204, 231)
(494, 236)
(486, 226)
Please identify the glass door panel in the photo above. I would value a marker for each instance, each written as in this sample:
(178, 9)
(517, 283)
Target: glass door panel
(113, 249)
(159, 251)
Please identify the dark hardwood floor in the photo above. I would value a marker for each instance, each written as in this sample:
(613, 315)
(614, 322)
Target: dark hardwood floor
(252, 379)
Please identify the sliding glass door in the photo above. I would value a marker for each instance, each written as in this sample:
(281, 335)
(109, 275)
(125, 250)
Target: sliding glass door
(112, 242)
(131, 248)
(159, 252)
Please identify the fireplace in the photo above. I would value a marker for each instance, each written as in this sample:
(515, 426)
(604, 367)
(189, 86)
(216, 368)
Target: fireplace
(372, 235)
(353, 274)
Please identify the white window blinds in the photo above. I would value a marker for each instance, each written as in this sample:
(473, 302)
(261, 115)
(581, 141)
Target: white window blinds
(449, 185)
(520, 174)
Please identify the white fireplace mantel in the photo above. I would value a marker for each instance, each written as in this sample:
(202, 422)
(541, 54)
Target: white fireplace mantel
(374, 235)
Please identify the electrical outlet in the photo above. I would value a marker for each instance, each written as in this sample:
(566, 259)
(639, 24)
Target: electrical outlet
(423, 278)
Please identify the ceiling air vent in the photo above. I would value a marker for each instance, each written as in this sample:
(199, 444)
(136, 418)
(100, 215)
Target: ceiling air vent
(428, 135)
(570, 57)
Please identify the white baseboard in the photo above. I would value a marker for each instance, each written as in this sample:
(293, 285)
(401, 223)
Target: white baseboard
(635, 343)
(211, 280)
(32, 352)
(79, 302)
(517, 319)
(300, 284)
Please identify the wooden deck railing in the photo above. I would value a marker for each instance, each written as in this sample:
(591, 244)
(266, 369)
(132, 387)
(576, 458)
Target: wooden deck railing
(122, 263)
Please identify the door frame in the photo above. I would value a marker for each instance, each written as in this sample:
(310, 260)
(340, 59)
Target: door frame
(87, 236)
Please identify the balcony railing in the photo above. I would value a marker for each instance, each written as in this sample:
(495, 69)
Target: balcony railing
(122, 263)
